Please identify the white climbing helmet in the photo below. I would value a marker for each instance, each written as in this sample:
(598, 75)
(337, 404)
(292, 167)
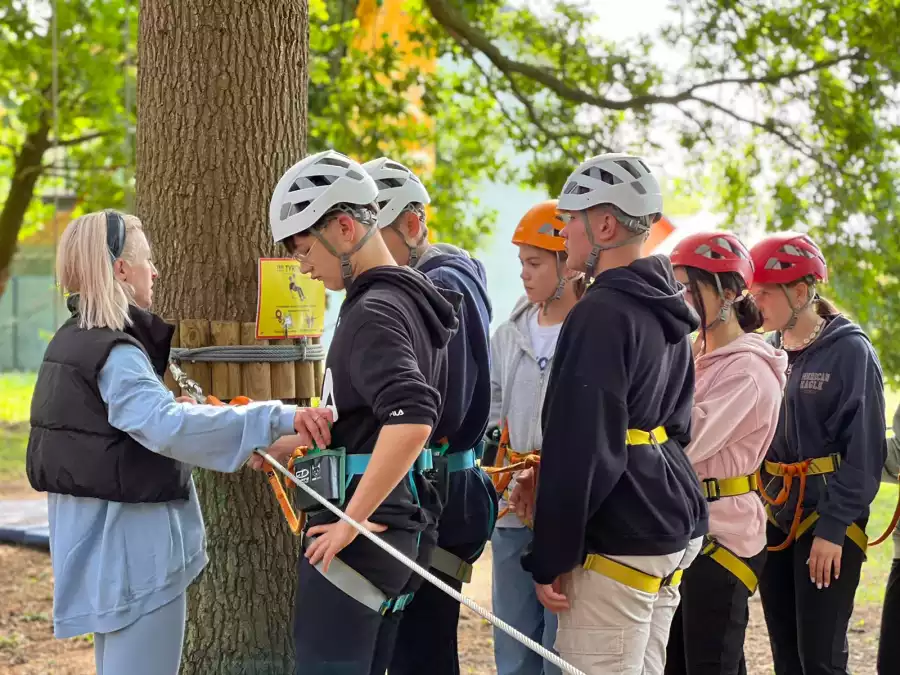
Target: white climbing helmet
(312, 187)
(619, 179)
(398, 187)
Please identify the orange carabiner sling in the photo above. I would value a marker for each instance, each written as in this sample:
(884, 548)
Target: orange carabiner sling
(816, 466)
(501, 475)
(295, 522)
(788, 472)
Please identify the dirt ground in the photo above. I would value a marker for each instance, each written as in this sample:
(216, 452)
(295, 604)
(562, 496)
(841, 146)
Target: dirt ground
(27, 646)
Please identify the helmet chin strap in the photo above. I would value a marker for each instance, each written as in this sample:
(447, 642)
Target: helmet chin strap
(795, 311)
(725, 310)
(414, 247)
(594, 255)
(560, 286)
(346, 268)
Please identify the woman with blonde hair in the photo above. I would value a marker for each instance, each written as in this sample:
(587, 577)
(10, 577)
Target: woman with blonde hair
(114, 449)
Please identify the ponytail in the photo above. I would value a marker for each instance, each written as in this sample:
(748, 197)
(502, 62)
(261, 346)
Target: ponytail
(748, 314)
(825, 308)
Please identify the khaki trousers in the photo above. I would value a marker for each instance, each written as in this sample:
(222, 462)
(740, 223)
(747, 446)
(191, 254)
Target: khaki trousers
(613, 628)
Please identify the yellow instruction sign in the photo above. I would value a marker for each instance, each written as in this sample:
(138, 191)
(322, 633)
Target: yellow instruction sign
(289, 304)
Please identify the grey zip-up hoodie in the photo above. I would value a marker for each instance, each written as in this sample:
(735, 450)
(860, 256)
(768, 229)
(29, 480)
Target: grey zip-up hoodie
(518, 386)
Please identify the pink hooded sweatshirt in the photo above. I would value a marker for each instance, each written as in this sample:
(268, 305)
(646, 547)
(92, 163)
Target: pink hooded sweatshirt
(736, 405)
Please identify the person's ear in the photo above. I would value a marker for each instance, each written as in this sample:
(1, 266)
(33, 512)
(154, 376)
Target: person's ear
(119, 269)
(604, 224)
(346, 227)
(413, 225)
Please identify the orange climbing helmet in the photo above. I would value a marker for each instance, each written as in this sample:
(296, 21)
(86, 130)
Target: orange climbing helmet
(540, 227)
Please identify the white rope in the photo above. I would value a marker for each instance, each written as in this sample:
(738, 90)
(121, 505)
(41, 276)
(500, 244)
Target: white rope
(421, 571)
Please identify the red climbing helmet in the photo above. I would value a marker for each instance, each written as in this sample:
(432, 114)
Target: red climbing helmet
(787, 257)
(714, 252)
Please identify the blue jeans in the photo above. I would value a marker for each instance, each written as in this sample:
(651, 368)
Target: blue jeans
(515, 602)
(149, 646)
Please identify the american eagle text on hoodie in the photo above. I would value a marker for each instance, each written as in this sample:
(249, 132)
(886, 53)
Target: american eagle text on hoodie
(833, 403)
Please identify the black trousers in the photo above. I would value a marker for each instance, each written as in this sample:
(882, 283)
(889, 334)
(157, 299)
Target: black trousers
(808, 626)
(336, 635)
(426, 634)
(707, 634)
(889, 643)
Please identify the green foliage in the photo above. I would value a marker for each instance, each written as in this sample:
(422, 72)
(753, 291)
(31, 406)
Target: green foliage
(96, 78)
(778, 114)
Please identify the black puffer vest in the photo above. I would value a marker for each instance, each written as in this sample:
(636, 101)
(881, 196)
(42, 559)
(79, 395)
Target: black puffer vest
(72, 449)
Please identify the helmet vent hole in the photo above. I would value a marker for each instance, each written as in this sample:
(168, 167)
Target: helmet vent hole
(334, 161)
(629, 168)
(395, 166)
(353, 175)
(640, 189)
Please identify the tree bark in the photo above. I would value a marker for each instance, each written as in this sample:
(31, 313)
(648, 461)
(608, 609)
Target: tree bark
(27, 169)
(221, 113)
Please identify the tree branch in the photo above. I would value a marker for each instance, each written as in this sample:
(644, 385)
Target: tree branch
(461, 30)
(78, 140)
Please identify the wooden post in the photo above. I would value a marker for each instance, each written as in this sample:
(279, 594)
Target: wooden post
(195, 333)
(169, 380)
(306, 380)
(226, 377)
(320, 369)
(256, 378)
(283, 378)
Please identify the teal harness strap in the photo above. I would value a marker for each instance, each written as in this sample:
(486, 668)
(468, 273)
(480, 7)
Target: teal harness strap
(460, 461)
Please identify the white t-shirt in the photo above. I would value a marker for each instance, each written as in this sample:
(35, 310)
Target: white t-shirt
(543, 339)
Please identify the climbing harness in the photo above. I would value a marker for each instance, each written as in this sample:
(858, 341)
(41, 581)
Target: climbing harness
(539, 649)
(894, 519)
(629, 576)
(731, 562)
(446, 463)
(349, 580)
(715, 488)
(817, 466)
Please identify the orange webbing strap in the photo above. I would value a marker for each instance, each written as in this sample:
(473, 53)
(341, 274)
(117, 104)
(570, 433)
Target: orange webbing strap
(890, 528)
(294, 522)
(501, 474)
(800, 469)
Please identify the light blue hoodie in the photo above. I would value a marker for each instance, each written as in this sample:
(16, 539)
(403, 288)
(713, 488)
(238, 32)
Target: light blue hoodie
(115, 562)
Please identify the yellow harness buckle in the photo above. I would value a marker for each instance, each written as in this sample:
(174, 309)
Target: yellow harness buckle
(716, 488)
(628, 575)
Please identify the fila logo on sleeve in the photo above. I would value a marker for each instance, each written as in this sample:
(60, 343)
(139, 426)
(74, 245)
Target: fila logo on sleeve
(396, 413)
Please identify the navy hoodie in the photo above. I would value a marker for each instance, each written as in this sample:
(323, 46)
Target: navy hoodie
(623, 361)
(467, 404)
(388, 364)
(470, 512)
(833, 403)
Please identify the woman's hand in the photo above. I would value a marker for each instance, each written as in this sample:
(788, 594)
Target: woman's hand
(314, 424)
(332, 539)
(185, 399)
(822, 557)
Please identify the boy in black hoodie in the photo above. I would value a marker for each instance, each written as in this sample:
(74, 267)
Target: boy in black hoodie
(386, 374)
(426, 639)
(619, 509)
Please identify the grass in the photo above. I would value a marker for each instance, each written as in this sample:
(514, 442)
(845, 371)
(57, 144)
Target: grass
(15, 397)
(15, 403)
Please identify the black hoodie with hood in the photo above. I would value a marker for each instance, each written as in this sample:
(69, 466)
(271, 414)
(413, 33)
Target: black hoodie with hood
(623, 361)
(833, 404)
(388, 364)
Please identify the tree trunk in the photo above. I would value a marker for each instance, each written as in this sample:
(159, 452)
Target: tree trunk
(221, 113)
(27, 170)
